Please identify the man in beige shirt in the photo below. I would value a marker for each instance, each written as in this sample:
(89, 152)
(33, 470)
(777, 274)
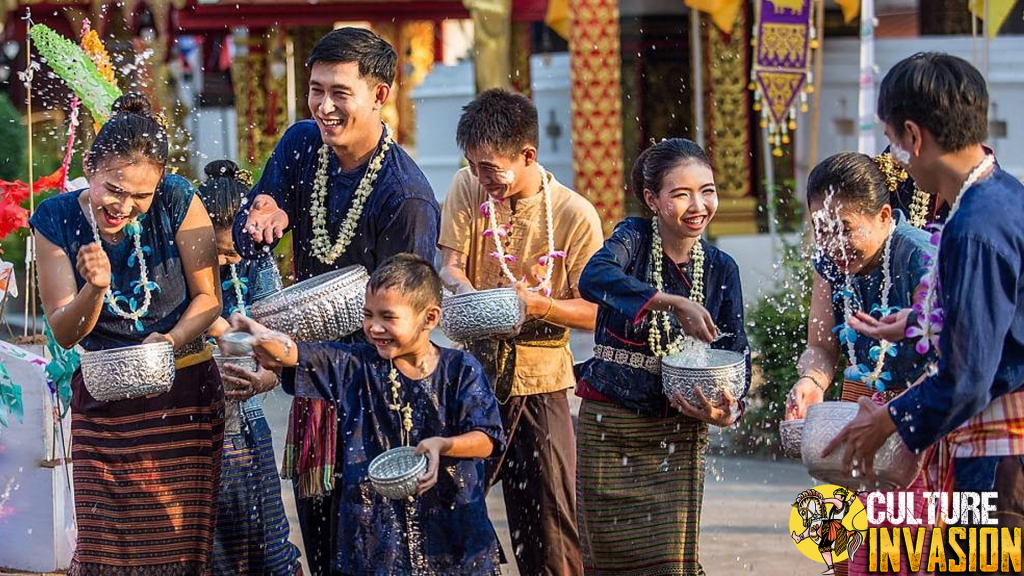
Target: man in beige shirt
(548, 233)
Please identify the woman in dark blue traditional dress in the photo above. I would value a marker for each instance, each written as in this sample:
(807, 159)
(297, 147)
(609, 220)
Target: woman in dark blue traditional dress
(131, 260)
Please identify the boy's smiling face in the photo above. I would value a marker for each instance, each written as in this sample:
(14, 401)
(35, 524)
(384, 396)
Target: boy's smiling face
(394, 326)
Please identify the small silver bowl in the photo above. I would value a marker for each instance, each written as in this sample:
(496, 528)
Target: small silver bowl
(481, 314)
(791, 432)
(726, 370)
(323, 308)
(233, 408)
(896, 467)
(129, 372)
(235, 344)
(395, 473)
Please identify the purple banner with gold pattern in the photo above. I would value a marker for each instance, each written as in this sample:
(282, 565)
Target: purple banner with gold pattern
(781, 56)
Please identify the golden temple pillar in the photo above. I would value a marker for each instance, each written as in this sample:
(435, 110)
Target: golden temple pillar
(492, 38)
(596, 96)
(727, 112)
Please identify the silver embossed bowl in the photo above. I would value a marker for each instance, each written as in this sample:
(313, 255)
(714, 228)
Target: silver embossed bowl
(322, 308)
(129, 372)
(233, 408)
(895, 465)
(475, 315)
(395, 473)
(725, 370)
(791, 432)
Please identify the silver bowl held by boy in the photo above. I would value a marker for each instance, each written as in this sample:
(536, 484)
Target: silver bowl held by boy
(895, 465)
(482, 314)
(129, 372)
(725, 370)
(319, 309)
(395, 473)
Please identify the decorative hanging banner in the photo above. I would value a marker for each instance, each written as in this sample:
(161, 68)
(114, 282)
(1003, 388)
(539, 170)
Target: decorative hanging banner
(783, 39)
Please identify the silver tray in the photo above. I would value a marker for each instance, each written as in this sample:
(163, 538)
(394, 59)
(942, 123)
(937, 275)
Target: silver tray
(129, 372)
(726, 370)
(395, 473)
(896, 467)
(481, 314)
(322, 308)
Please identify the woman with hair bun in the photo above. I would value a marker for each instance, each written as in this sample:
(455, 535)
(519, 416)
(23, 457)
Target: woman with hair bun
(127, 261)
(252, 527)
(640, 479)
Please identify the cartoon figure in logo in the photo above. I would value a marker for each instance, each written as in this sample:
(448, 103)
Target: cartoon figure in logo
(827, 531)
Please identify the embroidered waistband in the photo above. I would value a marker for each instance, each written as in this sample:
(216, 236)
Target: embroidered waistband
(626, 358)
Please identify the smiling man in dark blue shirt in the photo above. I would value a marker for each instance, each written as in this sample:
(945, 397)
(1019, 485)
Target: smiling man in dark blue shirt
(934, 107)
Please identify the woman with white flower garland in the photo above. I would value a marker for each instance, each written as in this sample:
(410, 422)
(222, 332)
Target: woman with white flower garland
(132, 260)
(252, 527)
(509, 222)
(640, 484)
(350, 195)
(869, 259)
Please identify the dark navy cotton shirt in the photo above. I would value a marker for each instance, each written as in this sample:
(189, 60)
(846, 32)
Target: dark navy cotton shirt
(617, 279)
(60, 220)
(981, 346)
(400, 215)
(446, 529)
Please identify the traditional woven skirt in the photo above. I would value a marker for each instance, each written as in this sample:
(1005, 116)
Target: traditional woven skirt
(252, 528)
(147, 472)
(639, 491)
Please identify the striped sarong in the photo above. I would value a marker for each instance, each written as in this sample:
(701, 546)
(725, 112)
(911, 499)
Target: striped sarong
(639, 491)
(147, 472)
(252, 528)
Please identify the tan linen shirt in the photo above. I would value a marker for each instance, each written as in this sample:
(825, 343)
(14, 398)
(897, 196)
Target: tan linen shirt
(577, 231)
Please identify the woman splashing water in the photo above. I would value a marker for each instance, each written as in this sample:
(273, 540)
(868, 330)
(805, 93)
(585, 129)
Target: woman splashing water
(131, 260)
(869, 259)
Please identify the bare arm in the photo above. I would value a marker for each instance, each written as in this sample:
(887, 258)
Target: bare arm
(72, 313)
(818, 362)
(453, 271)
(198, 249)
(472, 444)
(570, 313)
(822, 354)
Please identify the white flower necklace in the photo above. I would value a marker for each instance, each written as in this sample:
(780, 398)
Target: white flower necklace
(497, 232)
(654, 335)
(403, 412)
(930, 314)
(236, 282)
(133, 229)
(321, 242)
(874, 377)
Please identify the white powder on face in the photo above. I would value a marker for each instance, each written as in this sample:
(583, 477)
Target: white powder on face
(899, 154)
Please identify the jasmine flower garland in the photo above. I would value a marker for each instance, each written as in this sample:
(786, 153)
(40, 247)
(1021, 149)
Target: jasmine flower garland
(654, 335)
(321, 242)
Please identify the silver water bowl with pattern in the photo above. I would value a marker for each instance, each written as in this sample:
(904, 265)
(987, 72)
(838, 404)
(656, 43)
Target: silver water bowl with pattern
(481, 314)
(129, 372)
(233, 408)
(322, 308)
(395, 473)
(725, 370)
(896, 467)
(791, 432)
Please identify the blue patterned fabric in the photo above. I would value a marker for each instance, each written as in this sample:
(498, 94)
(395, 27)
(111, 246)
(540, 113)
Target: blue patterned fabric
(61, 221)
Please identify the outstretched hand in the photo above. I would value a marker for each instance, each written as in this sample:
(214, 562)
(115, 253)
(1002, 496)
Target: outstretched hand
(891, 328)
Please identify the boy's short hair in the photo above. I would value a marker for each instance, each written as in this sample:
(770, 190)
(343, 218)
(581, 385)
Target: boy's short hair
(939, 92)
(375, 57)
(498, 120)
(411, 275)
